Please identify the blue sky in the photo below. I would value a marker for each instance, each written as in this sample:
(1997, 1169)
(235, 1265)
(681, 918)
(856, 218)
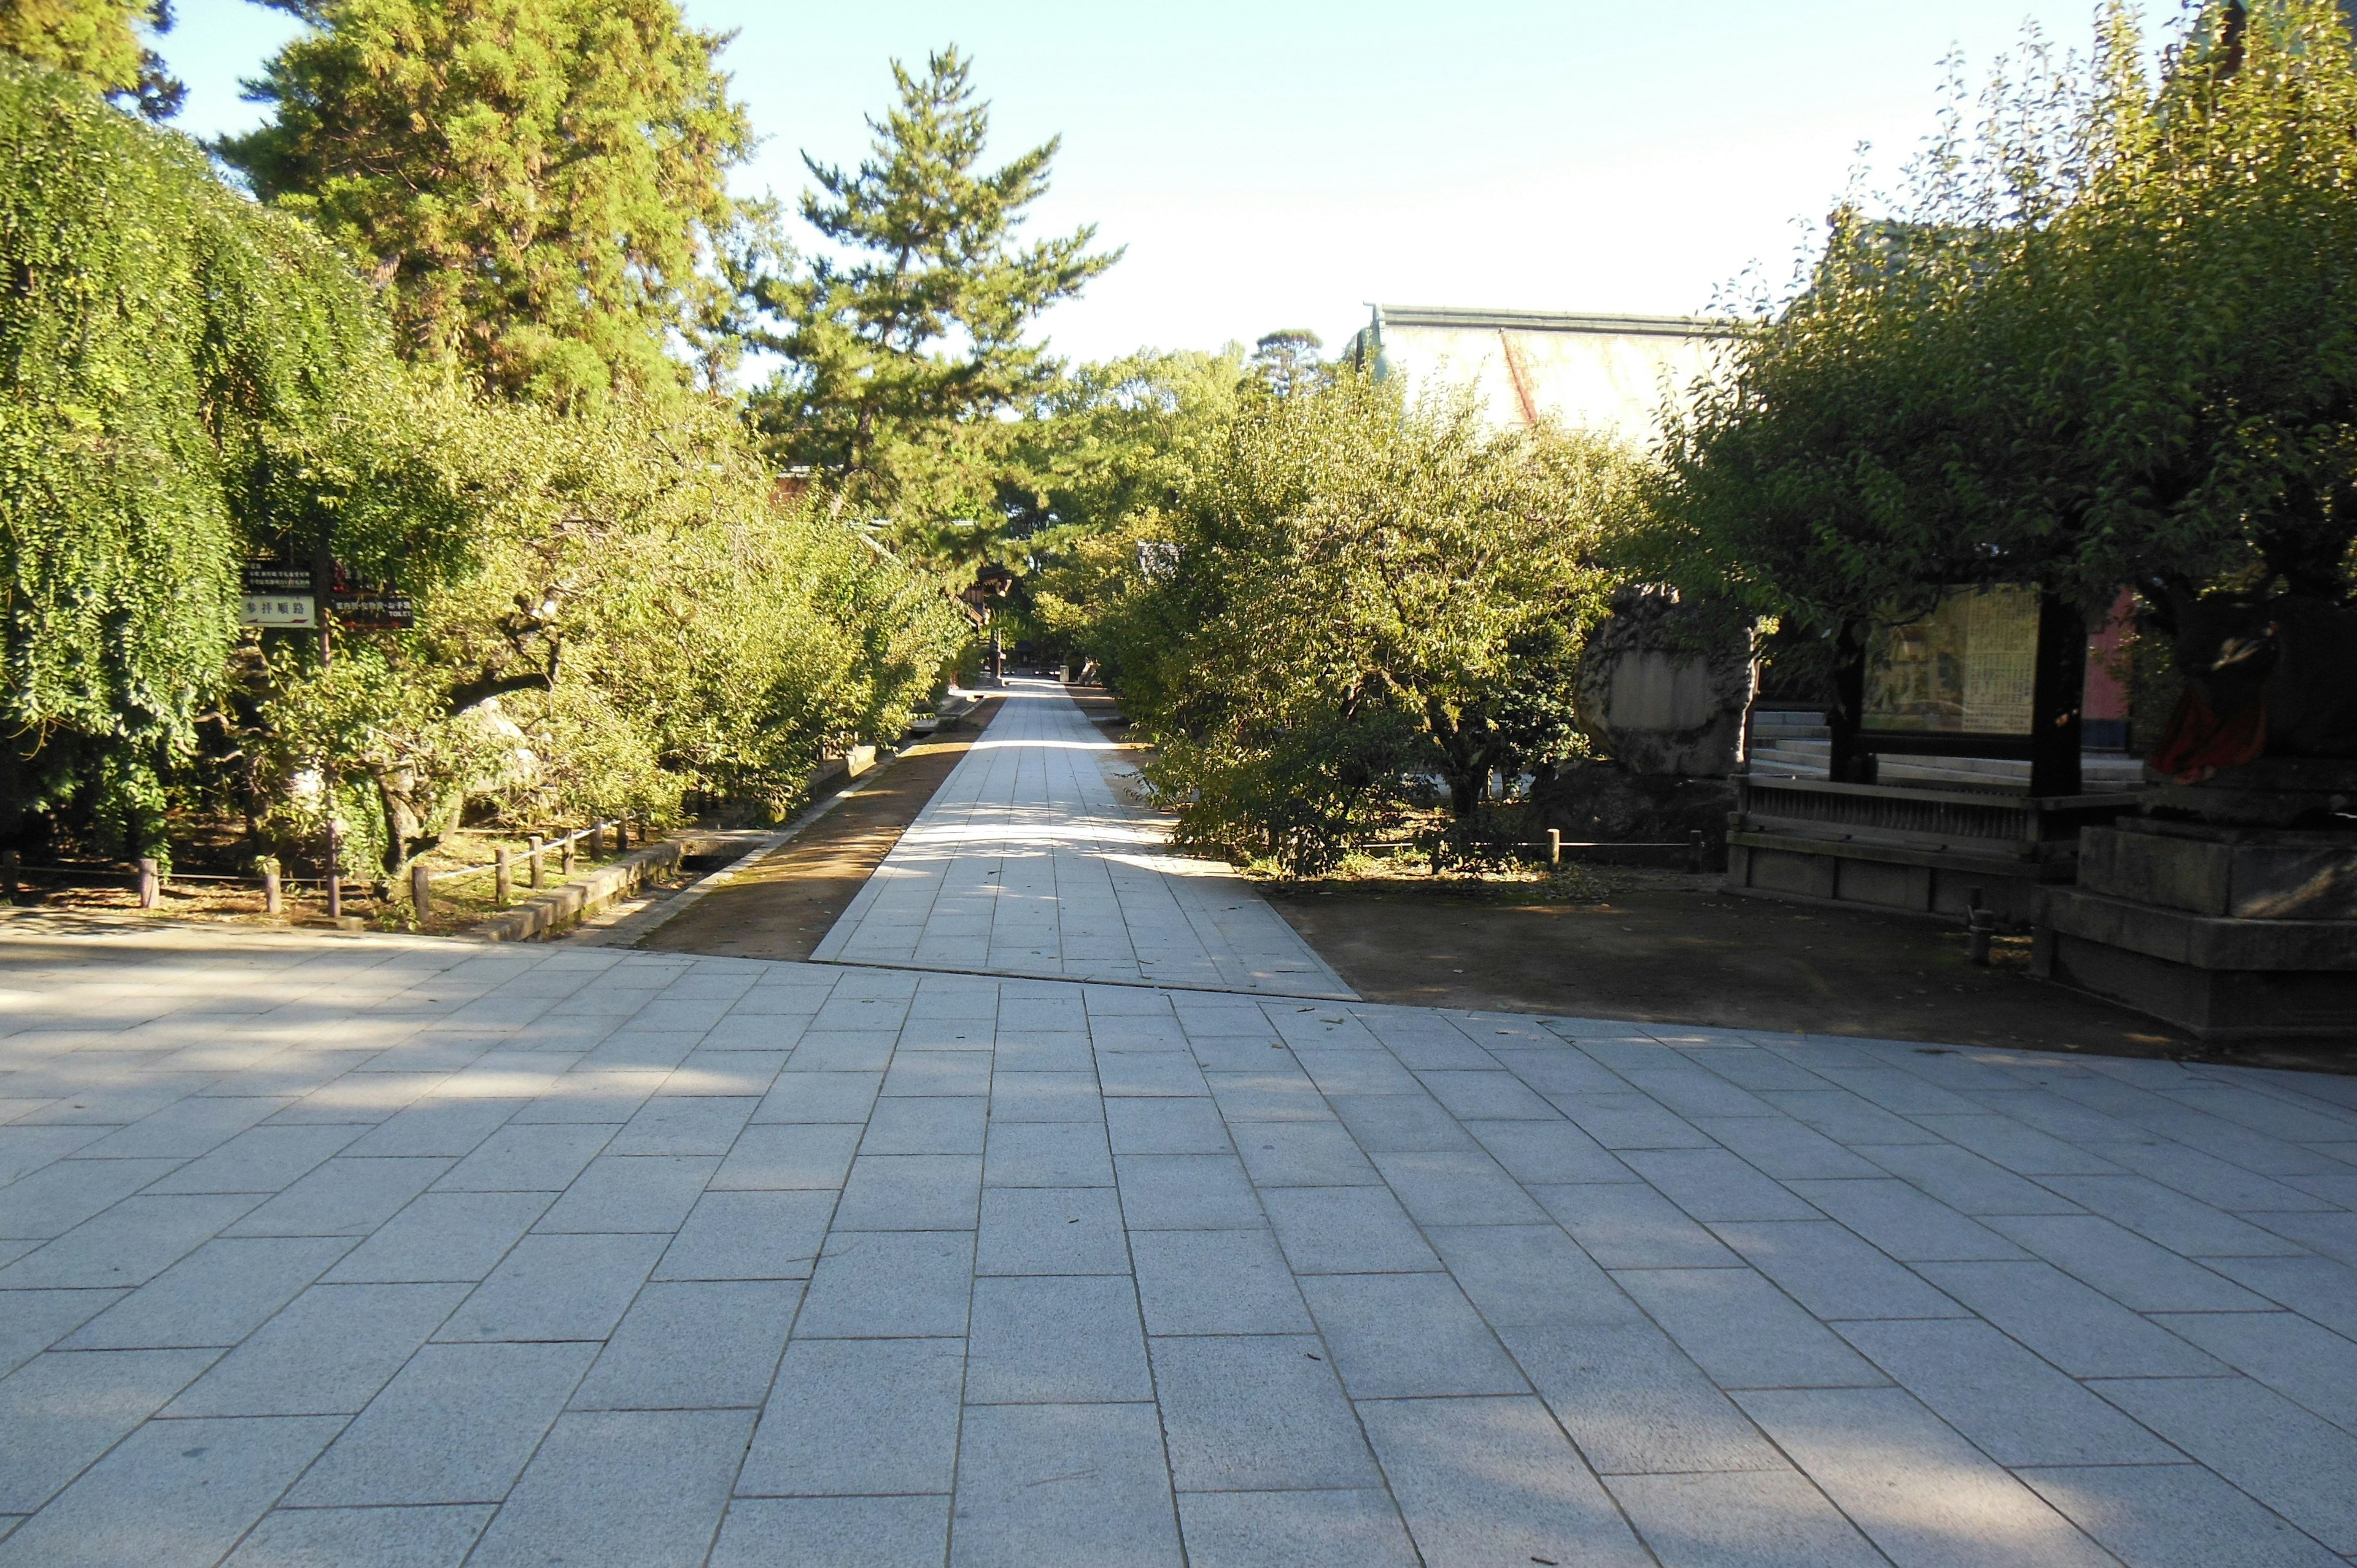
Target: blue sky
(1278, 162)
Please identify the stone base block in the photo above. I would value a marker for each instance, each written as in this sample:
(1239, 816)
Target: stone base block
(2219, 979)
(1887, 878)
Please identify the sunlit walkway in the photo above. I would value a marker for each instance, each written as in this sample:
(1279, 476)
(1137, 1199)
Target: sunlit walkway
(1030, 861)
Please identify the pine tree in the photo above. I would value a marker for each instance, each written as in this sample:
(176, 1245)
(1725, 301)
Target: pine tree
(901, 357)
(534, 182)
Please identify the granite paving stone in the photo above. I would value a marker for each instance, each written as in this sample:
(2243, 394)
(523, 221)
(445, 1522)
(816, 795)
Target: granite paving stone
(319, 1247)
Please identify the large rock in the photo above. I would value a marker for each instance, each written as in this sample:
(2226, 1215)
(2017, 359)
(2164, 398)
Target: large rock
(1663, 689)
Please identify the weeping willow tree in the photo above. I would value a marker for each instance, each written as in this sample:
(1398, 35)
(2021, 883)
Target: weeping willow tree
(184, 376)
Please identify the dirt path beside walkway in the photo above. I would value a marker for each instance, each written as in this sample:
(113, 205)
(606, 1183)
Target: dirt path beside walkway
(790, 899)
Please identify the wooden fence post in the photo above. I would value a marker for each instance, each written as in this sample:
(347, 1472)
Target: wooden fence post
(150, 885)
(9, 863)
(564, 858)
(502, 876)
(421, 890)
(596, 841)
(533, 843)
(335, 892)
(274, 900)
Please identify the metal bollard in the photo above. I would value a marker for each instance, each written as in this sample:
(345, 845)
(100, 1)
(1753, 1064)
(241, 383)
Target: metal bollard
(421, 891)
(533, 843)
(274, 899)
(151, 886)
(1554, 846)
(503, 877)
(1983, 925)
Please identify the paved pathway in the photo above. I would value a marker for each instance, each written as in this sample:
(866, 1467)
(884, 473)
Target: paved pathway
(1030, 861)
(391, 1251)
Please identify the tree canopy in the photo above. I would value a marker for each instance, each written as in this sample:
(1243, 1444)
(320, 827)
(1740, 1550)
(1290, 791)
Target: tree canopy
(2109, 337)
(904, 344)
(535, 184)
(103, 42)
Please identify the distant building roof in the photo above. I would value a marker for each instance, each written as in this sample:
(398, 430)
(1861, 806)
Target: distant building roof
(1608, 373)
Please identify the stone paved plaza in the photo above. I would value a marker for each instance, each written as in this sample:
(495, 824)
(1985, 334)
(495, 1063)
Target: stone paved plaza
(386, 1251)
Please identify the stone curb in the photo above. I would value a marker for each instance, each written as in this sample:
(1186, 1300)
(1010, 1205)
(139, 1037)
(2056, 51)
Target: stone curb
(560, 906)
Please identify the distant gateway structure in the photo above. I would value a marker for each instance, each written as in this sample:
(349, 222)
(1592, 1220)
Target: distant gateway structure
(1606, 373)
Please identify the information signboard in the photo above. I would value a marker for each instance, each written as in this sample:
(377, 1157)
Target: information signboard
(1968, 668)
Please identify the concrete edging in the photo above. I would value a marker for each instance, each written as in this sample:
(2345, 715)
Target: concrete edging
(560, 906)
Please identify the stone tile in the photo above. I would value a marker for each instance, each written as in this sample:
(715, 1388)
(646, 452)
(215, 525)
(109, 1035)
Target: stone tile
(1177, 1192)
(535, 1157)
(1712, 1184)
(859, 1416)
(705, 1345)
(1050, 1231)
(326, 1354)
(346, 1196)
(1905, 1223)
(911, 1192)
(1833, 1274)
(1529, 1274)
(2184, 1225)
(1215, 1281)
(443, 1236)
(555, 1287)
(2316, 1288)
(1065, 1341)
(1920, 1492)
(2175, 1516)
(1154, 1073)
(381, 1538)
(1466, 1188)
(1744, 1519)
(732, 1061)
(1620, 1121)
(1695, 1092)
(2014, 1407)
(1165, 1126)
(1493, 1480)
(173, 1492)
(842, 1050)
(458, 1425)
(813, 1096)
(641, 1193)
(259, 1159)
(833, 1533)
(449, 1128)
(1045, 1097)
(59, 1411)
(1548, 1152)
(1045, 1051)
(749, 1236)
(1786, 1149)
(1345, 1231)
(962, 1073)
(1350, 1528)
(1633, 1401)
(1047, 1154)
(2292, 1462)
(2085, 1333)
(641, 1489)
(33, 1320)
(683, 1124)
(785, 1155)
(1401, 1124)
(216, 1296)
(913, 1282)
(1967, 1183)
(1084, 1483)
(128, 1244)
(1244, 1412)
(1407, 1336)
(926, 1124)
(2307, 1364)
(1630, 1226)
(1491, 1096)
(1845, 1118)
(2125, 1266)
(1743, 1331)
(1304, 1154)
